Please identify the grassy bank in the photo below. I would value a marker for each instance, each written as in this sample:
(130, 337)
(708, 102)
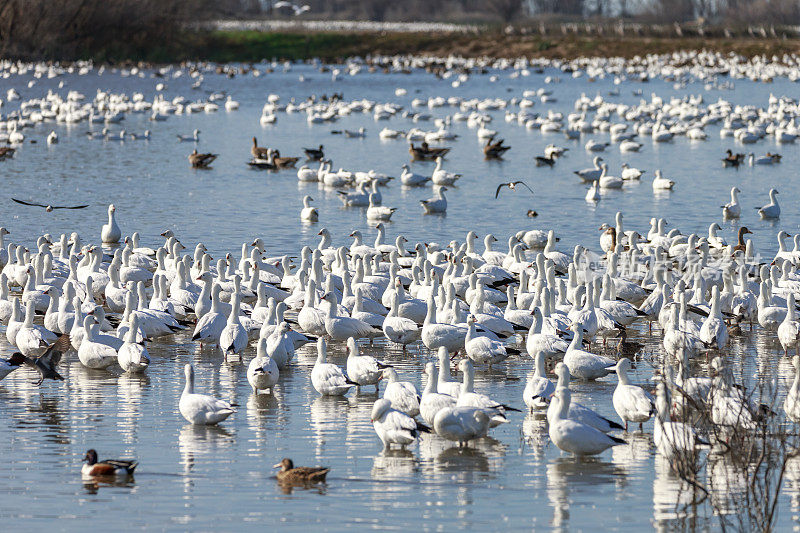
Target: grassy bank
(246, 46)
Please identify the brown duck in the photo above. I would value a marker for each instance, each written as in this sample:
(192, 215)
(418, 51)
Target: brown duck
(259, 152)
(201, 160)
(6, 152)
(300, 474)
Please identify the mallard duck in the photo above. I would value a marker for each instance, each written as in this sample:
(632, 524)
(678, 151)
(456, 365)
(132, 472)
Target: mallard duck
(201, 160)
(314, 154)
(110, 467)
(301, 474)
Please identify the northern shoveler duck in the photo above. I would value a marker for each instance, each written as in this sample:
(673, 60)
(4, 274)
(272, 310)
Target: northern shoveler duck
(301, 474)
(314, 154)
(46, 363)
(259, 152)
(13, 363)
(201, 160)
(111, 467)
(494, 150)
(423, 152)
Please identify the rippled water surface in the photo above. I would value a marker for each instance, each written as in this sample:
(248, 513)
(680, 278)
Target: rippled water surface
(220, 478)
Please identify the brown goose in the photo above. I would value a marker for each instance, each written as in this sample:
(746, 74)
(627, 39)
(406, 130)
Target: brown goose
(300, 474)
(259, 152)
(494, 150)
(282, 162)
(201, 160)
(741, 246)
(424, 152)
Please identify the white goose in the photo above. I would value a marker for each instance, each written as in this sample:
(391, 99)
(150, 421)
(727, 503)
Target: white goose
(363, 369)
(632, 403)
(402, 394)
(437, 204)
(461, 424)
(132, 355)
(772, 210)
(398, 329)
(433, 401)
(577, 411)
(95, 354)
(262, 372)
(573, 436)
(327, 378)
(672, 438)
(110, 233)
(393, 426)
(201, 408)
(469, 398)
(233, 337)
(661, 183)
(585, 365)
(538, 389)
(340, 328)
(733, 209)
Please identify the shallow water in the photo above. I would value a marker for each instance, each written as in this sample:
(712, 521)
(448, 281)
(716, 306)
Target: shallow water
(220, 478)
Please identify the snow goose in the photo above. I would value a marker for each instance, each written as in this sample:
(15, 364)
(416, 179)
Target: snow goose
(375, 211)
(630, 173)
(437, 204)
(433, 401)
(393, 426)
(327, 378)
(233, 337)
(201, 408)
(32, 339)
(398, 329)
(445, 383)
(279, 346)
(262, 372)
(363, 370)
(132, 355)
(340, 328)
(585, 365)
(461, 424)
(209, 328)
(672, 439)
(95, 354)
(469, 398)
(110, 233)
(402, 394)
(573, 436)
(410, 179)
(577, 411)
(772, 209)
(632, 403)
(714, 332)
(661, 183)
(537, 341)
(482, 349)
(591, 174)
(436, 336)
(789, 329)
(609, 182)
(733, 209)
(538, 389)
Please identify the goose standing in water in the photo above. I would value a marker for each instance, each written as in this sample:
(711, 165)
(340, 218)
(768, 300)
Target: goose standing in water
(573, 436)
(110, 233)
(433, 401)
(772, 210)
(632, 403)
(95, 354)
(201, 408)
(393, 426)
(132, 356)
(402, 394)
(462, 424)
(538, 389)
(327, 378)
(262, 372)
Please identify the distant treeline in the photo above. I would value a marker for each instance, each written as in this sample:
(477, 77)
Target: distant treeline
(61, 29)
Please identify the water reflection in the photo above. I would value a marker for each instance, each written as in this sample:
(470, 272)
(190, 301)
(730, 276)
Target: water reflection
(393, 464)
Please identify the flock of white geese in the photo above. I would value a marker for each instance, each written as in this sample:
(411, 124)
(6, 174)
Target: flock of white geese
(456, 303)
(477, 307)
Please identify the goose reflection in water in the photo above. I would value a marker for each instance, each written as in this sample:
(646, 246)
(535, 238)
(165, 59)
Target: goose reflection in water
(576, 474)
(394, 463)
